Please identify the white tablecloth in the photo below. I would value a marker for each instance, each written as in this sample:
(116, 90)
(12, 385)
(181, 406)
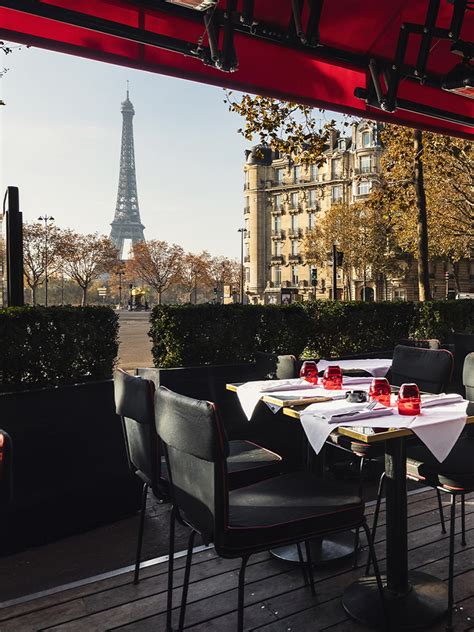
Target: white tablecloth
(437, 427)
(375, 366)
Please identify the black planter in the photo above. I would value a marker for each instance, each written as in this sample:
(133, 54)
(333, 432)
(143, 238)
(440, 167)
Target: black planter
(70, 471)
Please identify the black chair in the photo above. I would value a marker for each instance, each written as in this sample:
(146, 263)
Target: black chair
(420, 343)
(463, 345)
(454, 476)
(249, 459)
(287, 509)
(6, 469)
(430, 369)
(134, 403)
(247, 462)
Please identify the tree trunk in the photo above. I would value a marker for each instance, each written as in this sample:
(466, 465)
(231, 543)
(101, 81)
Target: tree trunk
(455, 265)
(84, 296)
(423, 256)
(33, 294)
(159, 296)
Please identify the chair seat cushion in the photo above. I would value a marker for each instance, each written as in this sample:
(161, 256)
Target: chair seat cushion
(288, 507)
(456, 472)
(248, 463)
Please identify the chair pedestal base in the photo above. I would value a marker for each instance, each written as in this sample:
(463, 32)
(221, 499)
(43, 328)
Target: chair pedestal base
(425, 603)
(322, 551)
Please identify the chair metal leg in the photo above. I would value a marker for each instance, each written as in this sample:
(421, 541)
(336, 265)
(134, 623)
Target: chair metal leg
(240, 602)
(140, 534)
(463, 520)
(378, 578)
(309, 562)
(302, 563)
(451, 563)
(169, 600)
(441, 512)
(376, 517)
(187, 572)
(355, 561)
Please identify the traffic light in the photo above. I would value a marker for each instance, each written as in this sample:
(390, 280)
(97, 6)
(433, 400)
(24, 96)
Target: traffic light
(339, 258)
(314, 277)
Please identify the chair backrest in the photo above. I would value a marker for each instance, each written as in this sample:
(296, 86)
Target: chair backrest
(6, 468)
(135, 405)
(273, 366)
(463, 345)
(430, 369)
(196, 450)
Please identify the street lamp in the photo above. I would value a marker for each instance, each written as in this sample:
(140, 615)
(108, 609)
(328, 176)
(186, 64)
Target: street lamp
(47, 220)
(242, 232)
(120, 274)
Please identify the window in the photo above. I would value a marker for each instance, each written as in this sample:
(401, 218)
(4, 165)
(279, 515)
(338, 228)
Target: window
(247, 175)
(277, 202)
(296, 173)
(294, 247)
(336, 193)
(276, 223)
(341, 144)
(365, 164)
(336, 168)
(294, 222)
(311, 220)
(279, 175)
(277, 276)
(312, 198)
(277, 251)
(365, 139)
(294, 275)
(294, 200)
(247, 205)
(314, 172)
(247, 275)
(400, 294)
(246, 226)
(247, 250)
(363, 188)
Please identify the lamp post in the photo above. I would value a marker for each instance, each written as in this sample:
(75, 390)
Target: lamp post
(120, 274)
(334, 271)
(47, 220)
(242, 234)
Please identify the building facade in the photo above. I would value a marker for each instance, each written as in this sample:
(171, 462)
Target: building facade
(284, 200)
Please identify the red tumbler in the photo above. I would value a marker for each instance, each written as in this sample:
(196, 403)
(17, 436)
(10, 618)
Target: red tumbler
(409, 402)
(309, 371)
(380, 390)
(332, 379)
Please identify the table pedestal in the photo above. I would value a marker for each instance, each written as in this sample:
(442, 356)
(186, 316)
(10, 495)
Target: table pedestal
(328, 550)
(425, 603)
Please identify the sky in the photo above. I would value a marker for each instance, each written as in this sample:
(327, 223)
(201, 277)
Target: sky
(60, 134)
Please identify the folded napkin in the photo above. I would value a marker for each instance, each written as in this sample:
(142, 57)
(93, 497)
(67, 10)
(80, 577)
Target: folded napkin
(250, 393)
(443, 399)
(348, 381)
(356, 415)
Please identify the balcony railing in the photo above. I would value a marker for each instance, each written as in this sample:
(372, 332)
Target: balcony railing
(246, 210)
(278, 234)
(278, 210)
(277, 259)
(295, 209)
(294, 258)
(247, 259)
(295, 233)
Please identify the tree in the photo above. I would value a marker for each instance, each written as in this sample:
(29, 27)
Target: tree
(157, 263)
(224, 271)
(35, 257)
(194, 272)
(86, 257)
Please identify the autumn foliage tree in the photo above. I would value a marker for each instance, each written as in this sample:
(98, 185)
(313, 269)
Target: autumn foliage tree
(86, 257)
(35, 257)
(157, 263)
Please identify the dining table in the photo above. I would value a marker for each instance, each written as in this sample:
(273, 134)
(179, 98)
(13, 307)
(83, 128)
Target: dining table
(414, 599)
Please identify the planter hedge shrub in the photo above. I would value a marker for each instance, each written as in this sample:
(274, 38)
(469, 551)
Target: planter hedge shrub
(191, 335)
(52, 346)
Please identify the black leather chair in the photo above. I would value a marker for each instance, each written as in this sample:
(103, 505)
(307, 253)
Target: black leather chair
(134, 403)
(454, 476)
(247, 462)
(287, 509)
(463, 345)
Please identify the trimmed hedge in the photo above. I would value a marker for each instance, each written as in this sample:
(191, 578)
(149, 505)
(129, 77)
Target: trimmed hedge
(52, 346)
(192, 335)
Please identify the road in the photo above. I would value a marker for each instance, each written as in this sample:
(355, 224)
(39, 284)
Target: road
(135, 345)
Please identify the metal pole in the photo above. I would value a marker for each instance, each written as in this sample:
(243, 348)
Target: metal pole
(334, 272)
(62, 288)
(241, 231)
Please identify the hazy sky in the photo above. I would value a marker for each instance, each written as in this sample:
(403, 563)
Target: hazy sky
(60, 135)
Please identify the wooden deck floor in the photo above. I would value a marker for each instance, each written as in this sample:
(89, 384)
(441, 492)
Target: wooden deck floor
(276, 600)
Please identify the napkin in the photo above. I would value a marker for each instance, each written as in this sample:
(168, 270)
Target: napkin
(443, 399)
(249, 394)
(348, 381)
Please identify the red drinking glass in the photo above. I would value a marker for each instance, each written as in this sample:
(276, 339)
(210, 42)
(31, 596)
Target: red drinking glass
(380, 390)
(332, 379)
(309, 371)
(409, 402)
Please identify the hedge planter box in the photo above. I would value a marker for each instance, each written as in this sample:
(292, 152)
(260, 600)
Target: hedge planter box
(70, 471)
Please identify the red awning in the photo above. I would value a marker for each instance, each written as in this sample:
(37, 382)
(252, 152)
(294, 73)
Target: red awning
(348, 56)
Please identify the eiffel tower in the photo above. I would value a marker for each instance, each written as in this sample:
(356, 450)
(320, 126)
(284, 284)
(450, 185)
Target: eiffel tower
(127, 224)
